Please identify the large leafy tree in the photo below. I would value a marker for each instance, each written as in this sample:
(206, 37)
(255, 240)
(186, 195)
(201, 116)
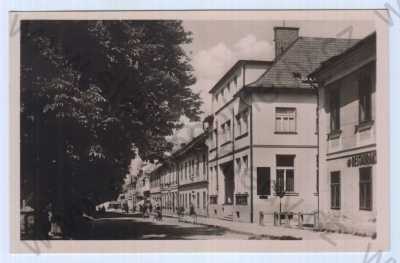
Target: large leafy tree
(92, 92)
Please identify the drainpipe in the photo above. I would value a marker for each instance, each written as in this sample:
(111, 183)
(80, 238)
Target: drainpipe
(318, 164)
(315, 85)
(251, 147)
(251, 162)
(233, 155)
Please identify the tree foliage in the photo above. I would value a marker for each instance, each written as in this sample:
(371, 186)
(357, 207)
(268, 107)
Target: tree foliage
(90, 91)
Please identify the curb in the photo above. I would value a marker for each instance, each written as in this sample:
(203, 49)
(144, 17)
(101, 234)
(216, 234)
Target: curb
(272, 237)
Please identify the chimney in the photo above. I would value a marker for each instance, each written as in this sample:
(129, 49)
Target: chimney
(284, 37)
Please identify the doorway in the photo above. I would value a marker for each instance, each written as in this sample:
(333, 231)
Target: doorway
(229, 182)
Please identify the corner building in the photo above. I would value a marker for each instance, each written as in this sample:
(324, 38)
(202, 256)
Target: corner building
(263, 132)
(347, 88)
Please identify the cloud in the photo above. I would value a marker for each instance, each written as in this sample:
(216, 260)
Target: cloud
(249, 48)
(212, 63)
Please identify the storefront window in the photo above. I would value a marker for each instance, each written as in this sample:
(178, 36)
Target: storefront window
(335, 190)
(366, 188)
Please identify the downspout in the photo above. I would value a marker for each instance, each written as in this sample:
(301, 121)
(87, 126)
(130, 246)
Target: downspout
(315, 85)
(251, 162)
(208, 189)
(318, 164)
(251, 147)
(233, 155)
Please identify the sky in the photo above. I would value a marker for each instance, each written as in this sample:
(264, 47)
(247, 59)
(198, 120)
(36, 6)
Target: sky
(218, 44)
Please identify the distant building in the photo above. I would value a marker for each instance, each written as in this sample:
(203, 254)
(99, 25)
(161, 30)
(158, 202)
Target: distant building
(143, 182)
(191, 166)
(263, 131)
(169, 188)
(155, 186)
(347, 139)
(130, 193)
(181, 179)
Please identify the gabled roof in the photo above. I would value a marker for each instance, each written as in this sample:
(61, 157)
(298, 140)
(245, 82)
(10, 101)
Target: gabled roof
(370, 39)
(197, 141)
(301, 58)
(237, 65)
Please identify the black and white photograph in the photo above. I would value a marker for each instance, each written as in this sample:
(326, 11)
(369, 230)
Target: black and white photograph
(257, 128)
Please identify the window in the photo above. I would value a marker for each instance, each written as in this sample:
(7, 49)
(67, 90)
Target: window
(366, 188)
(186, 167)
(215, 137)
(245, 117)
(216, 178)
(289, 180)
(204, 164)
(335, 190)
(285, 172)
(194, 167)
(238, 165)
(364, 91)
(235, 81)
(213, 199)
(228, 131)
(223, 133)
(241, 199)
(242, 123)
(335, 110)
(182, 171)
(204, 200)
(285, 120)
(239, 125)
(198, 200)
(245, 164)
(198, 167)
(263, 181)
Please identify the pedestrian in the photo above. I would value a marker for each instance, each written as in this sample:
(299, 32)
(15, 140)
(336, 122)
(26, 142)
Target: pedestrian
(55, 223)
(158, 213)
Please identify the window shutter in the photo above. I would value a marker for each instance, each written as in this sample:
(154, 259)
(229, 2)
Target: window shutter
(263, 180)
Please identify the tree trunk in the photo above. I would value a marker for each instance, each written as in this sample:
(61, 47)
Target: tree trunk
(36, 191)
(60, 169)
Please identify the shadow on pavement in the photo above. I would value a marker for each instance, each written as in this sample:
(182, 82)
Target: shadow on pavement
(123, 229)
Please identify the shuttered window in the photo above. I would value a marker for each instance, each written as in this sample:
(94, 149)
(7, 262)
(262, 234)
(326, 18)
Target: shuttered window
(263, 181)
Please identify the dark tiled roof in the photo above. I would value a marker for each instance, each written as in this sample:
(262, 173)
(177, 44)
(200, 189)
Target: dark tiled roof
(300, 59)
(371, 38)
(197, 141)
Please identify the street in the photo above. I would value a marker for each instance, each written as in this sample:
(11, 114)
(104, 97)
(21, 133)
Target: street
(129, 228)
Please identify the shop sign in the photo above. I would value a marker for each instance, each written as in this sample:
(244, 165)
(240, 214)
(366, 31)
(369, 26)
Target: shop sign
(360, 159)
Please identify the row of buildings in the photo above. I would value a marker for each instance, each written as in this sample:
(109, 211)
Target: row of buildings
(302, 124)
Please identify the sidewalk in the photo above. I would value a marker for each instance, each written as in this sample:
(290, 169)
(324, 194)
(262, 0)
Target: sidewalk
(270, 231)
